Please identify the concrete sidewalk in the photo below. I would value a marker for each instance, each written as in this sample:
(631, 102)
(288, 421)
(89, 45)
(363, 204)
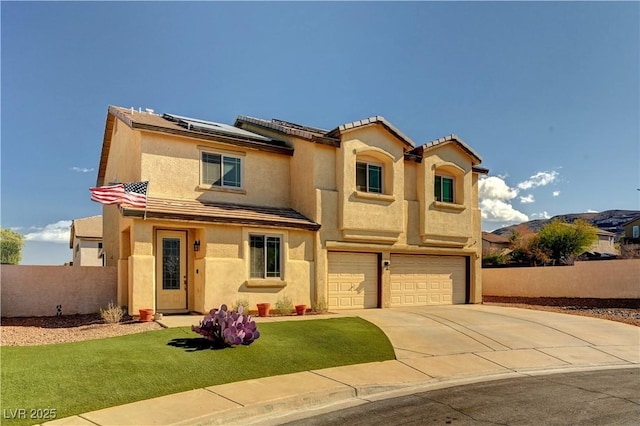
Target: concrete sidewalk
(435, 347)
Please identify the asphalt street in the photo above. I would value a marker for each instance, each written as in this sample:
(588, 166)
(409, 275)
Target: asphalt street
(600, 397)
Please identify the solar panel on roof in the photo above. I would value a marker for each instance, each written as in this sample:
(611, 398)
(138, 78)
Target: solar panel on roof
(212, 127)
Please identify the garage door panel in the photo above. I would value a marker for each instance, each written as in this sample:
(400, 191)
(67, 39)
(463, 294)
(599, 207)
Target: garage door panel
(427, 280)
(352, 280)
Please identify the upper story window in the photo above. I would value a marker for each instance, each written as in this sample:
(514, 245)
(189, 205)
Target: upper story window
(369, 177)
(444, 188)
(221, 170)
(265, 256)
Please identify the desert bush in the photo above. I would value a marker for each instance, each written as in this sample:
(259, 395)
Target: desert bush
(320, 305)
(227, 328)
(241, 302)
(495, 259)
(284, 305)
(112, 314)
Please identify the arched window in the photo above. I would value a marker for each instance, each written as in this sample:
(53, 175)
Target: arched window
(374, 171)
(449, 184)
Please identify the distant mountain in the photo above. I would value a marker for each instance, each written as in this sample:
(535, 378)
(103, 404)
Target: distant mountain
(610, 220)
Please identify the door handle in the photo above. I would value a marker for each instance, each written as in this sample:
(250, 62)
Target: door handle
(185, 283)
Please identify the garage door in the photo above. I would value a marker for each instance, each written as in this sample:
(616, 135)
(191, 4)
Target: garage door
(353, 280)
(427, 280)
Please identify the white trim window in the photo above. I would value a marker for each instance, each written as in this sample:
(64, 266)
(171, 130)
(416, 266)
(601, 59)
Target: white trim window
(369, 177)
(265, 256)
(221, 170)
(444, 187)
(635, 231)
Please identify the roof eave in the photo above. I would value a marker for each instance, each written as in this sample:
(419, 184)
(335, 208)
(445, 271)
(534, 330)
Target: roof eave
(373, 121)
(265, 124)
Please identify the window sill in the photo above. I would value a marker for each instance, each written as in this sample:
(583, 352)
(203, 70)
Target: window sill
(374, 196)
(266, 283)
(448, 206)
(221, 189)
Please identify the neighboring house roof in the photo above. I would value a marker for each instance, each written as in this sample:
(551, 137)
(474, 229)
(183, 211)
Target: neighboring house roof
(494, 238)
(637, 218)
(205, 211)
(86, 227)
(183, 126)
(604, 233)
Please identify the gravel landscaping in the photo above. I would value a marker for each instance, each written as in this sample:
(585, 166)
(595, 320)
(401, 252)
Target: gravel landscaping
(33, 331)
(621, 310)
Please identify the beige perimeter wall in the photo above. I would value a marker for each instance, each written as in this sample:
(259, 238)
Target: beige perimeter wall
(37, 290)
(610, 279)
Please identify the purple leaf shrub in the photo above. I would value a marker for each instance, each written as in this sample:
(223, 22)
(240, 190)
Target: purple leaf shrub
(227, 328)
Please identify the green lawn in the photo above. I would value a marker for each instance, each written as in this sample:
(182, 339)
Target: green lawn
(75, 378)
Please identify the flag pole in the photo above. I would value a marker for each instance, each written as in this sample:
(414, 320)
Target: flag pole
(146, 201)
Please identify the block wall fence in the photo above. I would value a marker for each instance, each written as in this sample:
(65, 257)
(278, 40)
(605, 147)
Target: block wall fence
(39, 290)
(605, 279)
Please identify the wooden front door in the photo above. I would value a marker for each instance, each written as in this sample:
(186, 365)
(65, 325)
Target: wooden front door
(171, 271)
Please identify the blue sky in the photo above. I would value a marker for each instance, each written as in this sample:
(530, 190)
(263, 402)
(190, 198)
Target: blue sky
(548, 93)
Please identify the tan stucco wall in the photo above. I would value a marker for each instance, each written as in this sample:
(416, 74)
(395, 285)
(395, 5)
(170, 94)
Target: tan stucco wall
(366, 216)
(447, 223)
(595, 279)
(86, 253)
(171, 164)
(37, 290)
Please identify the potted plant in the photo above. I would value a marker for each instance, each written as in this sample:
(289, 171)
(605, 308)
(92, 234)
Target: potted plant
(301, 309)
(263, 309)
(146, 315)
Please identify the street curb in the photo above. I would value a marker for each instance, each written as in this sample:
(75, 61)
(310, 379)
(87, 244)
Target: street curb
(315, 403)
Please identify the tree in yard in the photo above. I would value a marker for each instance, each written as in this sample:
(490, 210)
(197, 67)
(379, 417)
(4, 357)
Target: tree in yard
(11, 244)
(564, 242)
(526, 247)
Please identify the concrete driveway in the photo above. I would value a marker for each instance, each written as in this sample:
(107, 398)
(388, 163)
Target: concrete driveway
(445, 341)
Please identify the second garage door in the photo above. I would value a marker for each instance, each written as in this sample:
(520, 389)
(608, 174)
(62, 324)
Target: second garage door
(353, 280)
(427, 280)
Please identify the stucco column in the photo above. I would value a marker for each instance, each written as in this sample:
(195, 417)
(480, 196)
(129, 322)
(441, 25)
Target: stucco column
(385, 280)
(141, 283)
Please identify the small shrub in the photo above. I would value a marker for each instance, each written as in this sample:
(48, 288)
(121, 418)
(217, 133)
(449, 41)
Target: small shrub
(284, 305)
(227, 328)
(241, 302)
(320, 306)
(112, 314)
(495, 259)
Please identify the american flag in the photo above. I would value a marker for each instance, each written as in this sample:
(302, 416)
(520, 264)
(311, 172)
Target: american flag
(134, 194)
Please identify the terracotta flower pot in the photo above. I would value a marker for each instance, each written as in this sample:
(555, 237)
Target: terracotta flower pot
(146, 315)
(263, 309)
(301, 309)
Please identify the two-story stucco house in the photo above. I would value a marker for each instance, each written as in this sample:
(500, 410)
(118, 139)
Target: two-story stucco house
(86, 241)
(355, 217)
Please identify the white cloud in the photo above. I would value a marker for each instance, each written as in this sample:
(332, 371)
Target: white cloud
(592, 211)
(527, 199)
(82, 169)
(500, 211)
(494, 195)
(539, 179)
(58, 232)
(556, 193)
(542, 215)
(495, 187)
